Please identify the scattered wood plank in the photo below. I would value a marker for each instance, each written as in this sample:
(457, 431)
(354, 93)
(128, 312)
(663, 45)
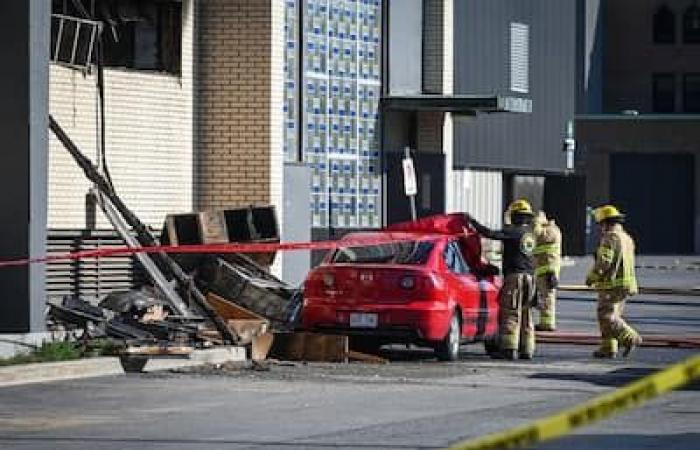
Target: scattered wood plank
(261, 346)
(244, 323)
(365, 357)
(158, 350)
(315, 347)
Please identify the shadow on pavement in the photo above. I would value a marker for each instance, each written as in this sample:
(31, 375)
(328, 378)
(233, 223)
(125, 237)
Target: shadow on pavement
(614, 378)
(625, 441)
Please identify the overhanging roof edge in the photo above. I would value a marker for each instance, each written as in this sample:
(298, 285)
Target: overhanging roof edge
(467, 104)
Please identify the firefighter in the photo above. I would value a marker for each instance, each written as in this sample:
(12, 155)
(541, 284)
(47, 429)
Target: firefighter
(516, 327)
(547, 256)
(614, 278)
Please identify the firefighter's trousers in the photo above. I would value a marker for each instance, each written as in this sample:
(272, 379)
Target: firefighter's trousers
(613, 328)
(547, 302)
(517, 330)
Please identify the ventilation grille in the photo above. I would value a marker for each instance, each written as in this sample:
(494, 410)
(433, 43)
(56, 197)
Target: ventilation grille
(90, 278)
(519, 57)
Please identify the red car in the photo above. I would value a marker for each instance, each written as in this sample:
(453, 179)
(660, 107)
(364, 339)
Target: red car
(421, 291)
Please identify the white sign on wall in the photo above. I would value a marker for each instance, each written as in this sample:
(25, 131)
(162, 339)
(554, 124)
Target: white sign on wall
(409, 177)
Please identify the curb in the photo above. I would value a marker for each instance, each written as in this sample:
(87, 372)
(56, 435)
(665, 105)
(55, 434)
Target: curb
(105, 366)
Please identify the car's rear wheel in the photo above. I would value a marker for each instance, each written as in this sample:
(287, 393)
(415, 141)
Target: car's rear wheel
(448, 348)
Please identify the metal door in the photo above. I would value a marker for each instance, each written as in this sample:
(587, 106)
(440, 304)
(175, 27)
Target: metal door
(656, 193)
(430, 175)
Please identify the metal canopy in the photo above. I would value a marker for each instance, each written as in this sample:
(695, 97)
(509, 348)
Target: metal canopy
(459, 104)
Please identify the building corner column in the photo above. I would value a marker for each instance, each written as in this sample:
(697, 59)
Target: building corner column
(276, 104)
(448, 89)
(39, 41)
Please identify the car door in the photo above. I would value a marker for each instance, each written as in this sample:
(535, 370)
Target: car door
(465, 289)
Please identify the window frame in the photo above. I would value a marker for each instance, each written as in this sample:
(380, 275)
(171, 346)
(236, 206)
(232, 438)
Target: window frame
(686, 77)
(151, 43)
(690, 35)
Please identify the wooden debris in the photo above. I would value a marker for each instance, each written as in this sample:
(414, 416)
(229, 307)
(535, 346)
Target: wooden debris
(158, 350)
(261, 346)
(310, 347)
(365, 357)
(243, 322)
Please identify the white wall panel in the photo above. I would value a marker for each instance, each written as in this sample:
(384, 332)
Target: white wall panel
(479, 193)
(149, 138)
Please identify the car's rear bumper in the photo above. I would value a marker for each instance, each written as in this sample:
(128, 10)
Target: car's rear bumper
(406, 322)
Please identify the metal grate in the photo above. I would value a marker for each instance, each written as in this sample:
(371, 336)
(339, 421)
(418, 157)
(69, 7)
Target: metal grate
(90, 278)
(73, 40)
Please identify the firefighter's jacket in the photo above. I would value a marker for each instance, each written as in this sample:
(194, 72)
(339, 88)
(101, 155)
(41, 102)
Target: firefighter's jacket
(547, 252)
(614, 263)
(518, 244)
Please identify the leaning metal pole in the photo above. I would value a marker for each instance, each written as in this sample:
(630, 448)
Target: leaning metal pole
(143, 235)
(145, 259)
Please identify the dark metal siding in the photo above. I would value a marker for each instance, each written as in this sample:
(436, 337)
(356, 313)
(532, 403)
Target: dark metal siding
(528, 142)
(14, 165)
(643, 185)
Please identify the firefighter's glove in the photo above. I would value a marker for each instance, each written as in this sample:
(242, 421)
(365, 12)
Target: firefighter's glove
(590, 280)
(552, 280)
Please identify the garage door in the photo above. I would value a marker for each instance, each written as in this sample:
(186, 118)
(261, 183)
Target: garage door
(656, 192)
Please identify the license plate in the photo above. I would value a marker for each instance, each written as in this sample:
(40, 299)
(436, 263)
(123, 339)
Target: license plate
(363, 320)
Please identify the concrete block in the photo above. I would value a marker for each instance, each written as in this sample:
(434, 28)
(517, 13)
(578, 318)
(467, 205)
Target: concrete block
(218, 355)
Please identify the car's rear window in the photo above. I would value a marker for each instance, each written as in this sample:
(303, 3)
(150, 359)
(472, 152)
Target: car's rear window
(412, 252)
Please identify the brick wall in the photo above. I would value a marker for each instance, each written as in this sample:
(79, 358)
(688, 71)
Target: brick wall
(235, 88)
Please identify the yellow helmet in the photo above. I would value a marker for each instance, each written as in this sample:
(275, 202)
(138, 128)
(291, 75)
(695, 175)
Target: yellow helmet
(607, 212)
(520, 206)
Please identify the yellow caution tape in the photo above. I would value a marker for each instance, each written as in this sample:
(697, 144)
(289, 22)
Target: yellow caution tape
(628, 397)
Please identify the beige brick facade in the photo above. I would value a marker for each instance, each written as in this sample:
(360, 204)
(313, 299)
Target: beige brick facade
(233, 90)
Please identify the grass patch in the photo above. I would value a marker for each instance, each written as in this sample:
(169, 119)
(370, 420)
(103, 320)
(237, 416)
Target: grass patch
(46, 352)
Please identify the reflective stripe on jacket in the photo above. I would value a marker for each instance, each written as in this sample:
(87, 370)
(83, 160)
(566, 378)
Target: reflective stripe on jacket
(547, 252)
(614, 264)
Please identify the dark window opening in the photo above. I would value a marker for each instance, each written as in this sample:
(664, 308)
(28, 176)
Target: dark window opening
(664, 93)
(691, 25)
(691, 93)
(397, 253)
(664, 26)
(137, 34)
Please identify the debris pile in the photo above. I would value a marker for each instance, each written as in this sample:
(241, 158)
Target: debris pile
(193, 301)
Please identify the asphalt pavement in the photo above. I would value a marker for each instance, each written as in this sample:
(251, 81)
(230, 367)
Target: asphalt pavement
(413, 402)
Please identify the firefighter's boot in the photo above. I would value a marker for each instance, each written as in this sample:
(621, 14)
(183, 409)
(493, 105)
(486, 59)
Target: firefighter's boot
(607, 349)
(630, 344)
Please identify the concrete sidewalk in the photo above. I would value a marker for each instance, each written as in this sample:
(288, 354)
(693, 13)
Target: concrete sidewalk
(104, 366)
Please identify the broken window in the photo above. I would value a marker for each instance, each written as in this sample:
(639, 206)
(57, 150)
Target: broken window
(137, 34)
